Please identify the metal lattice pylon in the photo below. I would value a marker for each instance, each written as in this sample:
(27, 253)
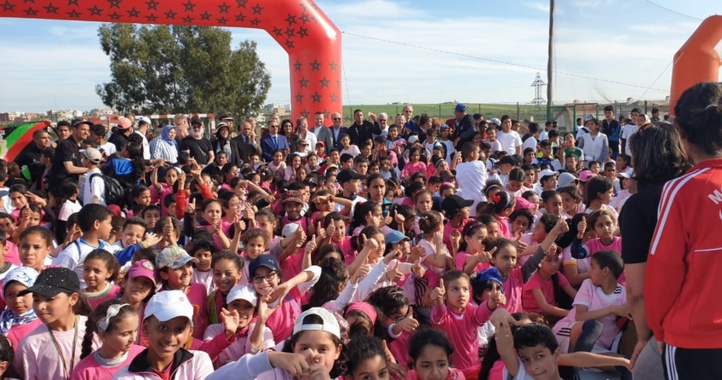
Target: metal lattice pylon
(538, 84)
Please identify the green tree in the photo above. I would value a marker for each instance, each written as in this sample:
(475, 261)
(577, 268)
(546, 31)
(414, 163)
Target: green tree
(162, 69)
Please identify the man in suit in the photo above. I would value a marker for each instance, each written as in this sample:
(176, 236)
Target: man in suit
(337, 130)
(246, 141)
(321, 131)
(272, 142)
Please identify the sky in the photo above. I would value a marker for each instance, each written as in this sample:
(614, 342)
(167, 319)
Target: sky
(420, 51)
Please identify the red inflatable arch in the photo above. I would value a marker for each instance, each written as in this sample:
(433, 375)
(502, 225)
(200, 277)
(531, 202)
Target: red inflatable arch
(697, 61)
(312, 41)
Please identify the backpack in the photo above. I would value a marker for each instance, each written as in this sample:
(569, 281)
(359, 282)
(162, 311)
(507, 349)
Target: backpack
(114, 191)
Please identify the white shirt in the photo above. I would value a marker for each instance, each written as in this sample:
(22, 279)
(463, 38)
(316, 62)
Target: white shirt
(509, 141)
(628, 131)
(68, 208)
(311, 140)
(529, 143)
(146, 147)
(471, 177)
(73, 256)
(96, 188)
(108, 149)
(543, 135)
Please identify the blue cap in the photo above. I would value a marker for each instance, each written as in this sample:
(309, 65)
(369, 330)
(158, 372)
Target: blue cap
(267, 261)
(490, 274)
(395, 237)
(460, 108)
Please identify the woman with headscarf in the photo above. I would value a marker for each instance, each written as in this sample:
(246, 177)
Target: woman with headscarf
(165, 146)
(223, 143)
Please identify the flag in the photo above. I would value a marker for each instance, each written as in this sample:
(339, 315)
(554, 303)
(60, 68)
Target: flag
(15, 137)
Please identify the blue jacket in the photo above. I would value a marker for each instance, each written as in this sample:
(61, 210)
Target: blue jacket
(268, 146)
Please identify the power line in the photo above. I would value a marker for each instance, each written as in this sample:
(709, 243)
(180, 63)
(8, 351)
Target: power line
(498, 61)
(672, 10)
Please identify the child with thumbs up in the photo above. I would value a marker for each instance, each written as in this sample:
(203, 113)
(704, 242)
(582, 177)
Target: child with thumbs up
(460, 319)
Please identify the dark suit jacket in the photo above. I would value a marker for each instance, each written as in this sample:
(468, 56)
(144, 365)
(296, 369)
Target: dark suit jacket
(324, 134)
(235, 158)
(361, 133)
(245, 150)
(267, 146)
(336, 143)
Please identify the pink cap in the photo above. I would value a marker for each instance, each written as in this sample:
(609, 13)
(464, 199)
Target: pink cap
(142, 268)
(522, 203)
(586, 175)
(365, 308)
(124, 123)
(115, 209)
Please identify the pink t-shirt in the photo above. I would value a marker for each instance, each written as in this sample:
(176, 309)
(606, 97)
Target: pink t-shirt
(412, 168)
(513, 290)
(198, 297)
(594, 298)
(448, 229)
(241, 346)
(111, 292)
(595, 245)
(462, 332)
(293, 264)
(460, 260)
(90, 369)
(349, 254)
(400, 349)
(454, 374)
(12, 254)
(158, 196)
(503, 223)
(17, 333)
(547, 288)
(205, 279)
(282, 320)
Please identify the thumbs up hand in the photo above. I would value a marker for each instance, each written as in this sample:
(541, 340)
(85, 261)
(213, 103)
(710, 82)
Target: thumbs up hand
(438, 294)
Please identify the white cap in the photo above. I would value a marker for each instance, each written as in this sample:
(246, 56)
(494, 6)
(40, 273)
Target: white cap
(547, 173)
(413, 139)
(289, 229)
(144, 119)
(329, 325)
(169, 304)
(242, 292)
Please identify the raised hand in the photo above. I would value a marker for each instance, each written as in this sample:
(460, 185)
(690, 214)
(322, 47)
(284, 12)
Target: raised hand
(394, 274)
(230, 320)
(562, 227)
(582, 227)
(191, 207)
(408, 324)
(330, 230)
(438, 294)
(151, 240)
(294, 364)
(360, 273)
(418, 270)
(310, 246)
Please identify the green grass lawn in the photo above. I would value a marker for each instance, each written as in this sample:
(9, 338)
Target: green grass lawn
(446, 110)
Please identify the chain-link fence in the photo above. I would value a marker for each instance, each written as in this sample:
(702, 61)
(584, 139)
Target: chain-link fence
(445, 111)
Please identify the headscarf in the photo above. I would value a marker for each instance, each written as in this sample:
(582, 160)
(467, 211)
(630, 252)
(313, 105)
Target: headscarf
(8, 318)
(164, 135)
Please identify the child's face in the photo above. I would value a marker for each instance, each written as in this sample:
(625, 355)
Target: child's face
(32, 251)
(553, 205)
(375, 368)
(319, 346)
(263, 223)
(51, 309)
(393, 133)
(621, 164)
(489, 292)
(505, 260)
(277, 157)
(171, 176)
(123, 334)
(166, 338)
(475, 242)
(151, 217)
(105, 228)
(424, 203)
(226, 275)
(514, 185)
(594, 168)
(362, 168)
(267, 278)
(212, 213)
(538, 234)
(414, 157)
(345, 141)
(376, 254)
(137, 289)
(550, 183)
(505, 168)
(18, 200)
(255, 247)
(293, 210)
(432, 363)
(63, 132)
(204, 257)
(458, 293)
(569, 204)
(434, 187)
(492, 230)
(572, 162)
(352, 185)
(539, 362)
(178, 279)
(95, 274)
(132, 234)
(30, 217)
(550, 264)
(491, 135)
(607, 196)
(339, 230)
(529, 156)
(520, 225)
(18, 304)
(245, 311)
(366, 150)
(143, 198)
(604, 227)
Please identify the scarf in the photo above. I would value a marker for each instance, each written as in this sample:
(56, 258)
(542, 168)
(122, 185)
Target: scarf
(164, 135)
(9, 319)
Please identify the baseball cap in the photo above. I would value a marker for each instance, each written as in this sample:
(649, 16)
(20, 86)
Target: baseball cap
(226, 117)
(329, 323)
(495, 121)
(461, 107)
(624, 175)
(395, 237)
(93, 155)
(196, 122)
(321, 143)
(81, 121)
(490, 274)
(565, 179)
(142, 268)
(144, 120)
(293, 196)
(23, 275)
(452, 203)
(124, 123)
(266, 261)
(413, 139)
(242, 292)
(54, 281)
(400, 142)
(547, 173)
(173, 257)
(169, 304)
(585, 175)
(507, 160)
(289, 229)
(347, 175)
(444, 126)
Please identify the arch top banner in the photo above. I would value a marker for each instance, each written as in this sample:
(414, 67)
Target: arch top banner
(312, 41)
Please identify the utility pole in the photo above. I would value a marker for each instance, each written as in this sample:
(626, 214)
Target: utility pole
(550, 61)
(538, 84)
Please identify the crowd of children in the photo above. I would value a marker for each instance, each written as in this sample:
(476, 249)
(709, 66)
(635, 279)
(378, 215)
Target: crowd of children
(422, 252)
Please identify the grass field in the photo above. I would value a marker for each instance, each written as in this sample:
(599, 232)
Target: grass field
(446, 110)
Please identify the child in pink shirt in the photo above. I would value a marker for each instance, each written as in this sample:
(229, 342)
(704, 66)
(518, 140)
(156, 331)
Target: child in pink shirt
(604, 225)
(414, 165)
(501, 205)
(455, 315)
(471, 257)
(159, 190)
(112, 321)
(336, 235)
(432, 346)
(100, 272)
(541, 292)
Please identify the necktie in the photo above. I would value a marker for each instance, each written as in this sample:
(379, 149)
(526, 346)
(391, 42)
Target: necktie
(275, 141)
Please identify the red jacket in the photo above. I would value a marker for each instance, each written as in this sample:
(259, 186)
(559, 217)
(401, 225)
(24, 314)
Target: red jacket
(681, 287)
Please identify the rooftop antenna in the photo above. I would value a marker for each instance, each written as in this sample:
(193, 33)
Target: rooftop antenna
(538, 84)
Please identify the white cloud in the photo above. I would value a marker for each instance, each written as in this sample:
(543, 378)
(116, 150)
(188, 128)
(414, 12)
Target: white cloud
(538, 6)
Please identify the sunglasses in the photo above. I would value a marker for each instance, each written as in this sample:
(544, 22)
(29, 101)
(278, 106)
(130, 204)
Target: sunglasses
(336, 118)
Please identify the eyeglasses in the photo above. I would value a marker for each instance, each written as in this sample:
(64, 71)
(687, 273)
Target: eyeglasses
(259, 279)
(336, 118)
(380, 120)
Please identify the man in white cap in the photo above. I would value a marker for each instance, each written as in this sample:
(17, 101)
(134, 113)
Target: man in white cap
(143, 127)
